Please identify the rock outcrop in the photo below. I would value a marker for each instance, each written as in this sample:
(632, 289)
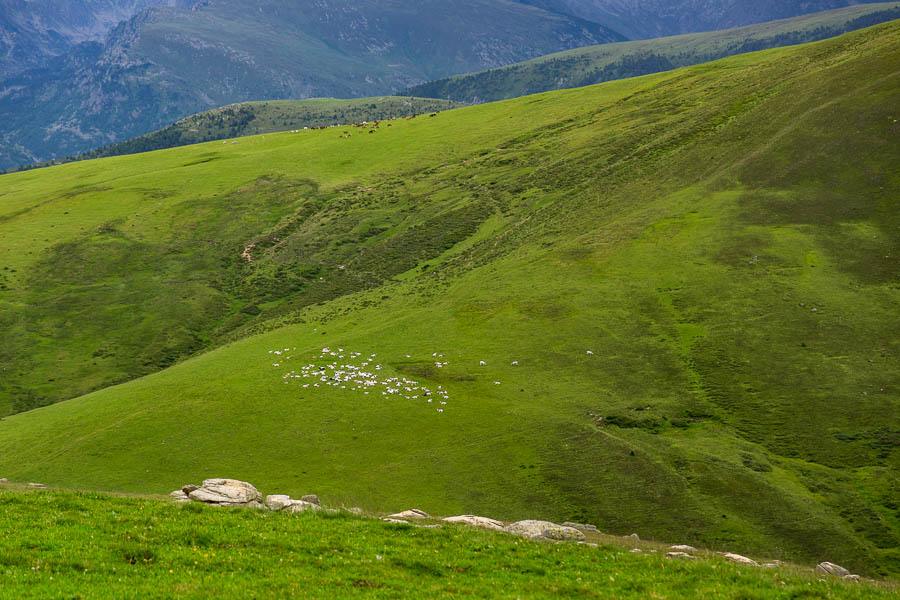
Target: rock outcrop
(741, 560)
(581, 526)
(683, 548)
(298, 506)
(476, 521)
(536, 530)
(225, 492)
(413, 513)
(828, 568)
(278, 501)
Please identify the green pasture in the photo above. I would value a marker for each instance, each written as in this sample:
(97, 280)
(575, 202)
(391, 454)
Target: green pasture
(722, 239)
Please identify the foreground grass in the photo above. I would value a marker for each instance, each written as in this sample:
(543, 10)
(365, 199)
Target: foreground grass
(88, 545)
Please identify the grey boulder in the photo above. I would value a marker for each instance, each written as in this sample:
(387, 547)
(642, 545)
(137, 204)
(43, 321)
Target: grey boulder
(413, 513)
(298, 506)
(741, 560)
(277, 501)
(180, 496)
(476, 521)
(226, 492)
(537, 530)
(832, 569)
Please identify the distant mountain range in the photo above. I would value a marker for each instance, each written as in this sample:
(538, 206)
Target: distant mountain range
(641, 19)
(33, 31)
(82, 74)
(169, 62)
(596, 64)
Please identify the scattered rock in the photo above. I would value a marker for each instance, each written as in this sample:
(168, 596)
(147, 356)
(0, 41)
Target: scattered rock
(312, 499)
(852, 577)
(390, 520)
(277, 501)
(741, 560)
(681, 555)
(413, 513)
(582, 526)
(536, 530)
(225, 492)
(39, 486)
(633, 536)
(635, 550)
(4, 480)
(476, 521)
(355, 510)
(255, 504)
(772, 565)
(179, 496)
(683, 548)
(301, 506)
(832, 569)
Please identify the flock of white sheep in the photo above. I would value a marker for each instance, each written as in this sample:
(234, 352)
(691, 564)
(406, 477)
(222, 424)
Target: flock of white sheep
(351, 370)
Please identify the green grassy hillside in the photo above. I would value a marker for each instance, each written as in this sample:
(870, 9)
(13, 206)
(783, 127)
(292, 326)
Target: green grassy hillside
(695, 272)
(79, 545)
(248, 118)
(596, 64)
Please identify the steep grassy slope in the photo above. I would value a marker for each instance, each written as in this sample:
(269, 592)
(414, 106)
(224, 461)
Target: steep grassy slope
(248, 118)
(596, 64)
(722, 238)
(99, 546)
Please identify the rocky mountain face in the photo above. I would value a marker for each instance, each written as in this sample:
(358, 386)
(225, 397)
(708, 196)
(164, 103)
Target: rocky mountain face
(167, 62)
(641, 19)
(33, 31)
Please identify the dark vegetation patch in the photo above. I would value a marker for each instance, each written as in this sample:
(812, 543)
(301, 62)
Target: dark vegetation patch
(251, 118)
